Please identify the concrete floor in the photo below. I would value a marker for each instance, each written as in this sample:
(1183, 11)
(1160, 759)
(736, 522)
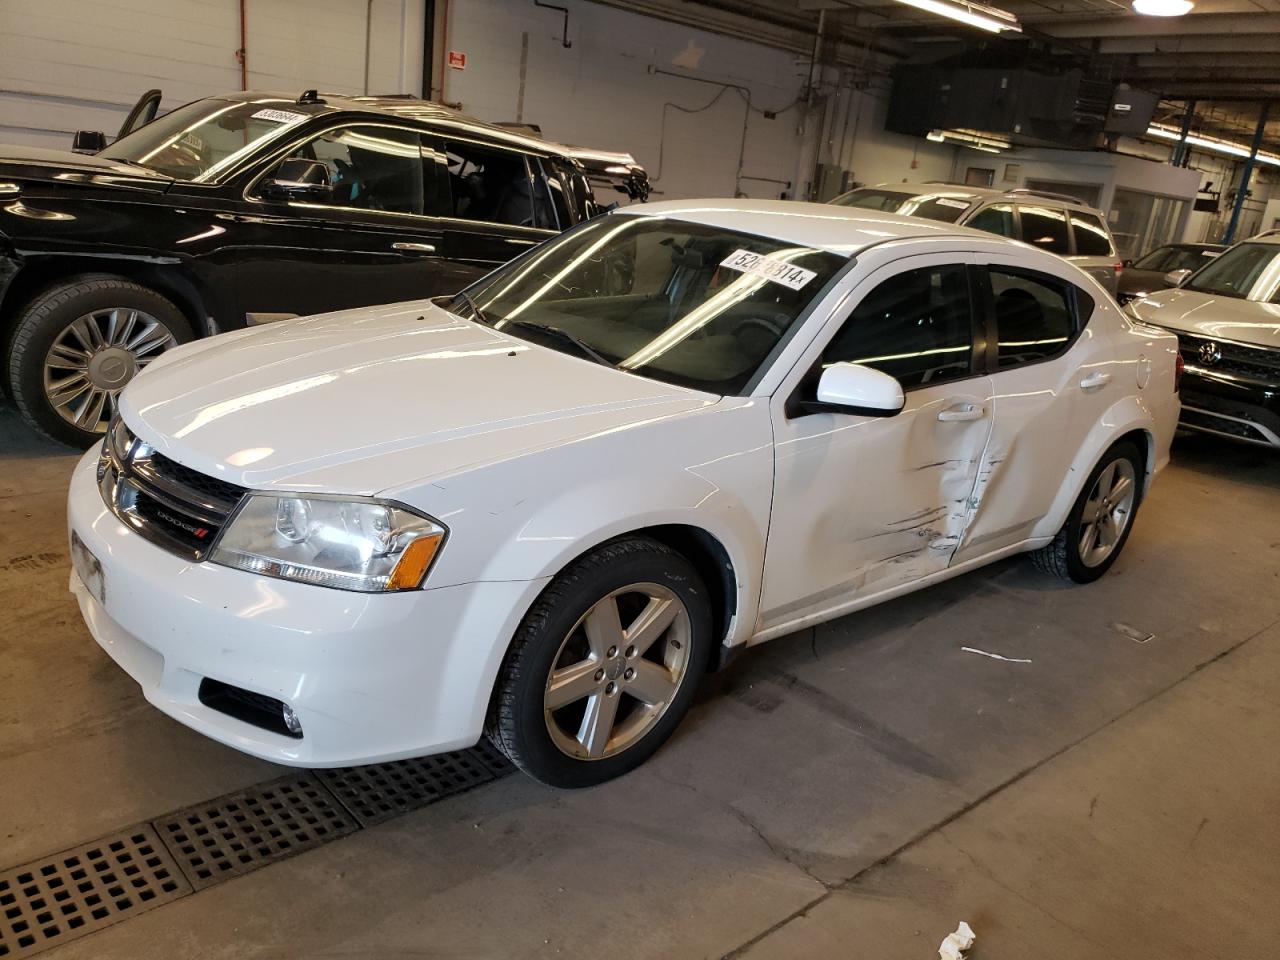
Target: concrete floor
(849, 792)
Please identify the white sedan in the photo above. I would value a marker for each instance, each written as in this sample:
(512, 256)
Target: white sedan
(542, 509)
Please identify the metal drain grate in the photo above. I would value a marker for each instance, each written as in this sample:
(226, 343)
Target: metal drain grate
(243, 831)
(48, 902)
(381, 791)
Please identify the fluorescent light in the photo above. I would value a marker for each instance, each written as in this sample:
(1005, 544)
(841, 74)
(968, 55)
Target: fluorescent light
(1162, 8)
(1211, 143)
(974, 14)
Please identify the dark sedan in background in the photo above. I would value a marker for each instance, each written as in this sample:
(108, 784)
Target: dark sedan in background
(254, 207)
(1163, 267)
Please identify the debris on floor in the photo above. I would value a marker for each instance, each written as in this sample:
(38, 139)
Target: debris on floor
(954, 946)
(1133, 633)
(993, 656)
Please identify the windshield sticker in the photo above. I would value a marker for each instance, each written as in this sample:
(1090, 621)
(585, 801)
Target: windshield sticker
(945, 202)
(758, 265)
(279, 116)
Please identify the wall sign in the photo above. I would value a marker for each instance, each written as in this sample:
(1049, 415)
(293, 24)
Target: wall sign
(457, 60)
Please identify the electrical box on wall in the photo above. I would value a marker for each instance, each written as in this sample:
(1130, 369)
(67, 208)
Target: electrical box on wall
(831, 182)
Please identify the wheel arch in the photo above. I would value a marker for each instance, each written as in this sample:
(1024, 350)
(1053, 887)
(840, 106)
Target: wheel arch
(39, 274)
(1127, 420)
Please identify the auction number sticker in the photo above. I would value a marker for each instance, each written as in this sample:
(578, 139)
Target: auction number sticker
(758, 265)
(279, 116)
(947, 202)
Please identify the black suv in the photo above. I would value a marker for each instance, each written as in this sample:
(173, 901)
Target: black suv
(253, 207)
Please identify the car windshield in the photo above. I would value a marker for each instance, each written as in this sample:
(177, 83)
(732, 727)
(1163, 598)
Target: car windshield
(1174, 258)
(198, 141)
(693, 305)
(1248, 271)
(873, 198)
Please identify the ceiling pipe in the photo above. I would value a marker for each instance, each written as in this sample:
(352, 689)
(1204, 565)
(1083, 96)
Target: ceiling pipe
(243, 53)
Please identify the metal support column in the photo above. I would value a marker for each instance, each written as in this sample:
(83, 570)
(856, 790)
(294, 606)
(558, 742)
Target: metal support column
(1181, 152)
(1245, 175)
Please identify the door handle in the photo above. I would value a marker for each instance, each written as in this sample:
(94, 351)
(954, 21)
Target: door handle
(1095, 381)
(962, 411)
(414, 247)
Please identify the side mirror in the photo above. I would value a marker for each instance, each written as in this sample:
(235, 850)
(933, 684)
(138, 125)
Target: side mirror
(88, 141)
(853, 388)
(1175, 278)
(298, 179)
(1128, 262)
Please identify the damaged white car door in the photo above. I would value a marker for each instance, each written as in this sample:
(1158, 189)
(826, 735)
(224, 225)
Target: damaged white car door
(863, 504)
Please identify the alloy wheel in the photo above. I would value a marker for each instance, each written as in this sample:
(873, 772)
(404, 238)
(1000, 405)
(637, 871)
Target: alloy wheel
(617, 671)
(94, 357)
(1107, 511)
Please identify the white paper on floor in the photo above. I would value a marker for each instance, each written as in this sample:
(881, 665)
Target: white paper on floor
(993, 656)
(954, 946)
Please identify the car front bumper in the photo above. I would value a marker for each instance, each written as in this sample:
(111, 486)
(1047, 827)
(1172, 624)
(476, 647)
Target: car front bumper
(370, 677)
(1228, 405)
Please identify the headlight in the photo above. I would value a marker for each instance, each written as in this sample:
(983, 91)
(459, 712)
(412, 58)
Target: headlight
(349, 544)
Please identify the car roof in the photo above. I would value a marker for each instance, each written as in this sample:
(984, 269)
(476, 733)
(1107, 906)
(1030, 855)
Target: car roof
(938, 188)
(842, 230)
(411, 108)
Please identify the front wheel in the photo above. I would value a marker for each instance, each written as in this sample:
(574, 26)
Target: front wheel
(604, 665)
(1099, 524)
(76, 346)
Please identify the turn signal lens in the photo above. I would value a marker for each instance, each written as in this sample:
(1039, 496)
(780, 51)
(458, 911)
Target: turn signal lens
(1178, 366)
(414, 562)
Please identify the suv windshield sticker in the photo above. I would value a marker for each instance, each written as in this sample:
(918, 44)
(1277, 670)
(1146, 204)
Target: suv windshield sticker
(279, 116)
(779, 271)
(947, 202)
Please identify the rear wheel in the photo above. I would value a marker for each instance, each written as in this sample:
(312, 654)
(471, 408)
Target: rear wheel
(604, 665)
(77, 344)
(1099, 524)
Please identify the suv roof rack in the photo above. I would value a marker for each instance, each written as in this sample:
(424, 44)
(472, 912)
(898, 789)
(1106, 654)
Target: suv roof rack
(1066, 197)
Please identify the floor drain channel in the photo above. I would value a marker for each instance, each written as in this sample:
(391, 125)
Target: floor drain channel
(382, 791)
(48, 902)
(243, 831)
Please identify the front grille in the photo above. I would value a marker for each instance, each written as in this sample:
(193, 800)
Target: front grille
(1240, 359)
(169, 504)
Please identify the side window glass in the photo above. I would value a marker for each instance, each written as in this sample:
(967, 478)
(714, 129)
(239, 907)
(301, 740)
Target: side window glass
(550, 210)
(371, 168)
(1046, 228)
(1033, 316)
(1090, 235)
(996, 219)
(490, 184)
(917, 327)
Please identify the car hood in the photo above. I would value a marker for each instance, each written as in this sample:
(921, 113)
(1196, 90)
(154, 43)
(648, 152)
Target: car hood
(65, 168)
(367, 400)
(1210, 315)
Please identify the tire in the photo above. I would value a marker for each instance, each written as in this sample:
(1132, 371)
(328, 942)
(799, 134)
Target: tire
(554, 744)
(88, 317)
(1065, 557)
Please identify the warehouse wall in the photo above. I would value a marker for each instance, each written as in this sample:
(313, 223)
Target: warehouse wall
(674, 96)
(68, 64)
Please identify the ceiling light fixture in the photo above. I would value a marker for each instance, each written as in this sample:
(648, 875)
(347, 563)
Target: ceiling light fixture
(992, 19)
(1162, 8)
(1211, 143)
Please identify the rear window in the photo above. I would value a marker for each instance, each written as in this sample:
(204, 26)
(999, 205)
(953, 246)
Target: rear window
(1090, 235)
(1046, 228)
(946, 209)
(873, 198)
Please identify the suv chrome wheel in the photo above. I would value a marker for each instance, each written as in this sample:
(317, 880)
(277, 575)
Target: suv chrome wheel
(92, 359)
(1107, 512)
(610, 684)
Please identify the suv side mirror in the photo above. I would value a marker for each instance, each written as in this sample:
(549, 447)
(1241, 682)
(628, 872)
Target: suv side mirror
(1175, 278)
(298, 179)
(853, 388)
(88, 141)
